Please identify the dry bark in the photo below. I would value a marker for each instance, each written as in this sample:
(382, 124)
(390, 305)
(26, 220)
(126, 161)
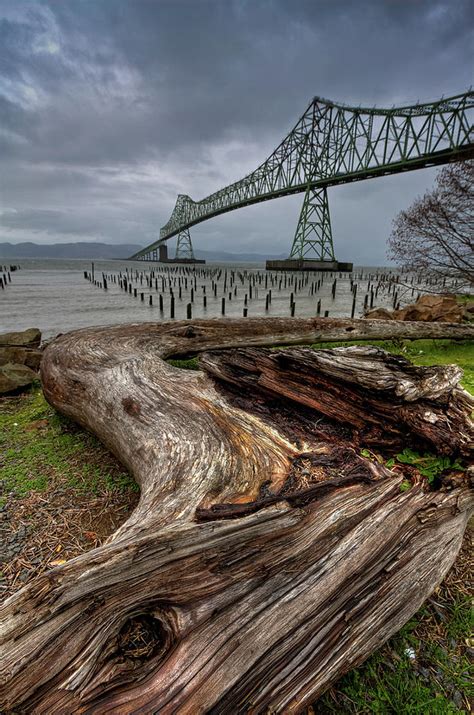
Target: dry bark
(239, 584)
(386, 400)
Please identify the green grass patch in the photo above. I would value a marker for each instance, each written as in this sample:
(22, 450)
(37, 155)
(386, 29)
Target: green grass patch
(40, 448)
(465, 298)
(187, 364)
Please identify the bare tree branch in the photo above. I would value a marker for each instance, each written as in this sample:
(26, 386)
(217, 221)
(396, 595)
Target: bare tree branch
(436, 233)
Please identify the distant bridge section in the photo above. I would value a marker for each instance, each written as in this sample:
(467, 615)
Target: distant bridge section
(334, 144)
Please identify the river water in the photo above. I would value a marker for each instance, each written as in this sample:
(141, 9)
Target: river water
(54, 296)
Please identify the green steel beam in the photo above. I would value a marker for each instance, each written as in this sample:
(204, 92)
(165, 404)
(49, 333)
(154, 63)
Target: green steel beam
(184, 246)
(333, 144)
(313, 237)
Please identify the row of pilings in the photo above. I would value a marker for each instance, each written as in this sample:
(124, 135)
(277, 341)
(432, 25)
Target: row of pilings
(178, 292)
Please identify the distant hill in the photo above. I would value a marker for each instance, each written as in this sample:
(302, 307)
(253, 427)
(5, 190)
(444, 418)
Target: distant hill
(67, 250)
(109, 250)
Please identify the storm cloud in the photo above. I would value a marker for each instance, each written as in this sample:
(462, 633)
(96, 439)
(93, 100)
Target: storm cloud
(108, 110)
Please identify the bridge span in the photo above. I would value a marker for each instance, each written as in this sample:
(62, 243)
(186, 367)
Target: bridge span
(331, 144)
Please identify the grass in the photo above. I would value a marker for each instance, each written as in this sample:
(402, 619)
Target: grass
(61, 492)
(39, 447)
(465, 298)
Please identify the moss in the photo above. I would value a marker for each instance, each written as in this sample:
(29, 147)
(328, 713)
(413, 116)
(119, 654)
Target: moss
(187, 364)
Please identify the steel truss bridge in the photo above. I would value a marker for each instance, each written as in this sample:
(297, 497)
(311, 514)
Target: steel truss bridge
(333, 144)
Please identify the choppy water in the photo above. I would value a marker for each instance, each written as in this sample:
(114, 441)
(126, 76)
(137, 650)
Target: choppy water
(54, 296)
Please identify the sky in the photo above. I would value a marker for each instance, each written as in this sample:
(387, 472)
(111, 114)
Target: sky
(110, 108)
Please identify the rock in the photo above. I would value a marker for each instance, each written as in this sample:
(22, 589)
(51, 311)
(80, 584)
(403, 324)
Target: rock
(428, 308)
(29, 338)
(433, 308)
(14, 378)
(458, 700)
(20, 356)
(33, 359)
(379, 314)
(12, 354)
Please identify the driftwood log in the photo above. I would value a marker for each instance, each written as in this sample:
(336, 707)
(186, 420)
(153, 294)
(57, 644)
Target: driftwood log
(266, 556)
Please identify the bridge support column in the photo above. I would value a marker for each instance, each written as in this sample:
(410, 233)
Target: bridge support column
(184, 246)
(313, 237)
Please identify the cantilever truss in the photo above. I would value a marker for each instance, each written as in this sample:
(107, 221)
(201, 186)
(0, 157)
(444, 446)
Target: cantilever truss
(184, 246)
(313, 235)
(333, 144)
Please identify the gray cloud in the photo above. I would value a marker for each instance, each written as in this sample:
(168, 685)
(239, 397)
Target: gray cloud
(109, 109)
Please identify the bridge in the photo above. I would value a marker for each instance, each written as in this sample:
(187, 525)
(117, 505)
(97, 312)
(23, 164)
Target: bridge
(332, 144)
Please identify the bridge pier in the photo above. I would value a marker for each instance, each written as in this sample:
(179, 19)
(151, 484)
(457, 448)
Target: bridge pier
(313, 236)
(163, 253)
(183, 254)
(184, 246)
(312, 248)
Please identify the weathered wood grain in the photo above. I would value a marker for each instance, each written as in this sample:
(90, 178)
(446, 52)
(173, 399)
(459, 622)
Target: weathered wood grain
(384, 398)
(259, 612)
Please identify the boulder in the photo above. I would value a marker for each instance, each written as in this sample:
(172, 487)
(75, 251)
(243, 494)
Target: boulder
(21, 348)
(33, 359)
(428, 308)
(379, 314)
(432, 308)
(12, 354)
(21, 356)
(14, 378)
(29, 338)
